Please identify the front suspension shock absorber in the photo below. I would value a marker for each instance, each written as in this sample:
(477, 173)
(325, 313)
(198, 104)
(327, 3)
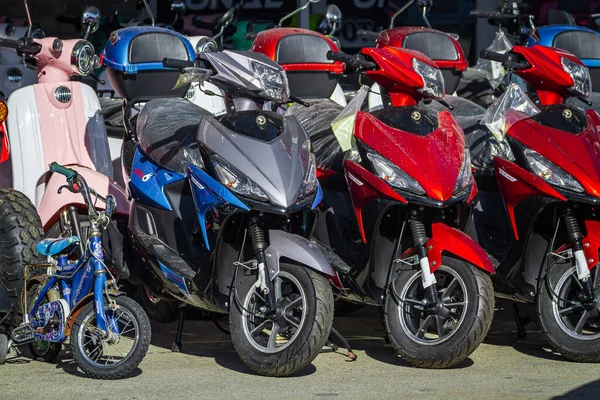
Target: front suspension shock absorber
(575, 238)
(259, 245)
(420, 240)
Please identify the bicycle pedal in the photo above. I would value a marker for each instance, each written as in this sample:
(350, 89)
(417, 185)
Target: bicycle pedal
(23, 334)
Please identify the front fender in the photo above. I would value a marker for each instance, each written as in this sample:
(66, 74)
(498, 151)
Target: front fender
(52, 202)
(296, 248)
(445, 238)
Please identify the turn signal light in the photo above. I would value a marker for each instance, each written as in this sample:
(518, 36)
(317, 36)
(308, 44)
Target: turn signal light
(3, 111)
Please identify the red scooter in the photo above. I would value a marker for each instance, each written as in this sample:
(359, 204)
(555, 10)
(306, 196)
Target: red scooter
(400, 246)
(547, 241)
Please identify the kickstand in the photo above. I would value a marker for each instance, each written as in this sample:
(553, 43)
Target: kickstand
(345, 343)
(177, 346)
(521, 321)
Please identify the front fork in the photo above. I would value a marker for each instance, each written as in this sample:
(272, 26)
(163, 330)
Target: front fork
(420, 241)
(575, 237)
(97, 261)
(259, 244)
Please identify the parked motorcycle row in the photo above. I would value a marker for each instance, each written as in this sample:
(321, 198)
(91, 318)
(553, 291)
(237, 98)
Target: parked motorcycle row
(256, 189)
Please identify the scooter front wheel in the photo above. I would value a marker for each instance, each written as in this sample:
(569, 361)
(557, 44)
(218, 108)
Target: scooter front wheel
(284, 342)
(116, 354)
(570, 324)
(439, 335)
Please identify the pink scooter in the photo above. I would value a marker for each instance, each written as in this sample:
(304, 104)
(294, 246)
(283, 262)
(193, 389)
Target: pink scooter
(58, 119)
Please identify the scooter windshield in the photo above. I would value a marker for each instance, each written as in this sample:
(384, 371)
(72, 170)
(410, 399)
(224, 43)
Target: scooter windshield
(279, 167)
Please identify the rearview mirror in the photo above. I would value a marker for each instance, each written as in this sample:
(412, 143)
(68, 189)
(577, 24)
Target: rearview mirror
(90, 19)
(334, 17)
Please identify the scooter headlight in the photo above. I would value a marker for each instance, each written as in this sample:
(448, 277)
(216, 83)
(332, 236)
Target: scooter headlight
(309, 184)
(234, 180)
(465, 175)
(393, 175)
(433, 81)
(551, 173)
(581, 77)
(83, 57)
(273, 82)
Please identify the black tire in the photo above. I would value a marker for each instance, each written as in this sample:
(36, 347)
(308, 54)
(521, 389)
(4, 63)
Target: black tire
(158, 310)
(305, 344)
(580, 347)
(473, 322)
(3, 348)
(44, 351)
(124, 367)
(20, 230)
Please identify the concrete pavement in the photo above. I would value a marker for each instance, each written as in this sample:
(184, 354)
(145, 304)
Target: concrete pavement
(503, 367)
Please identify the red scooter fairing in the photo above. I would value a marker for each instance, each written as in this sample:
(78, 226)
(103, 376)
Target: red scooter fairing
(447, 239)
(552, 82)
(591, 242)
(576, 154)
(517, 184)
(433, 160)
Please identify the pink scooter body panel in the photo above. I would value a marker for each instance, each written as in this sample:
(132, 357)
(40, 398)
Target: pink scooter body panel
(52, 202)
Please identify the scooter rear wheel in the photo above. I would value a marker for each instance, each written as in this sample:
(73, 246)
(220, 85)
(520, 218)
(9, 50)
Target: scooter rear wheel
(570, 329)
(442, 337)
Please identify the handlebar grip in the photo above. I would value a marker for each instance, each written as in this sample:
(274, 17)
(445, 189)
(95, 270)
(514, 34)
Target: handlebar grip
(179, 64)
(339, 56)
(9, 43)
(20, 45)
(492, 15)
(493, 56)
(517, 65)
(59, 169)
(368, 34)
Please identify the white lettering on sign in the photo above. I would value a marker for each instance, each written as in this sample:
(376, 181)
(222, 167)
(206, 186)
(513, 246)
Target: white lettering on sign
(197, 5)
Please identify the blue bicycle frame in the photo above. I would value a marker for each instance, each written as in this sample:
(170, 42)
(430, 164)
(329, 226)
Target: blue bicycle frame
(89, 273)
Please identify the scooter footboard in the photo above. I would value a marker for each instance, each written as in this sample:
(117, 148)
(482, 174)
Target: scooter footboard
(296, 248)
(456, 242)
(52, 202)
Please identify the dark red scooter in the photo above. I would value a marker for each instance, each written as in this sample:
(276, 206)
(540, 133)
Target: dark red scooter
(547, 241)
(400, 246)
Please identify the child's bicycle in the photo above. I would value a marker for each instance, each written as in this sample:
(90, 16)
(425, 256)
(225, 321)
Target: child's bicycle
(77, 298)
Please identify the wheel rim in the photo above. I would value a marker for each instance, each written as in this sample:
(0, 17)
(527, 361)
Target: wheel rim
(40, 347)
(430, 328)
(107, 352)
(274, 334)
(569, 312)
(153, 299)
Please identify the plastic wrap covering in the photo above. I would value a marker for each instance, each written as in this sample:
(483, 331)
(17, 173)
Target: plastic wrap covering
(513, 106)
(316, 120)
(465, 112)
(493, 69)
(97, 144)
(166, 130)
(112, 110)
(343, 124)
(484, 146)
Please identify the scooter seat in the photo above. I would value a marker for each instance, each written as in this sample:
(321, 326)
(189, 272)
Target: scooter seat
(166, 131)
(52, 247)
